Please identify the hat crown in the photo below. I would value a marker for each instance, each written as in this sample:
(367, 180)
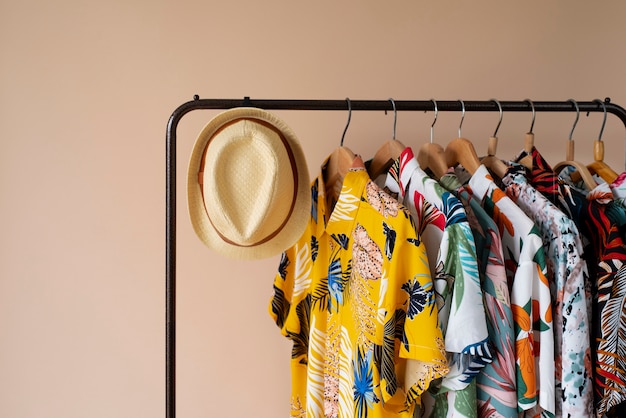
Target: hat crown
(248, 186)
(246, 197)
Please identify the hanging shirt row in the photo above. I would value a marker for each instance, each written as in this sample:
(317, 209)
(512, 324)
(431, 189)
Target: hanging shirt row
(481, 290)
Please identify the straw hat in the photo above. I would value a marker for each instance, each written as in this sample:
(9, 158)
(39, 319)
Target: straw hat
(248, 186)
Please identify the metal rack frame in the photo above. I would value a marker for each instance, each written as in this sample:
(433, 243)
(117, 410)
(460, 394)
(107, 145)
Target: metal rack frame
(311, 105)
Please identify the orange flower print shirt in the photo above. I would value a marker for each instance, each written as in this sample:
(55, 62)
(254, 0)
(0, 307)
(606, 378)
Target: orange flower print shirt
(530, 294)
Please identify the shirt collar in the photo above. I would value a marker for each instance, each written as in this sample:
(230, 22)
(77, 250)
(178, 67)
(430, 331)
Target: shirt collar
(351, 190)
(401, 172)
(541, 174)
(481, 182)
(515, 173)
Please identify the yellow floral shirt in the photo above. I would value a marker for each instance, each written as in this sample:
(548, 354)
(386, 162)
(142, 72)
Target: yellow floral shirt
(355, 296)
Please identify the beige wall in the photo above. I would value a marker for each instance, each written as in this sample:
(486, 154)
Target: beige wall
(86, 88)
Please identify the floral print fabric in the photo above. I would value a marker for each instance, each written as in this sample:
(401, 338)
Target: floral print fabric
(568, 276)
(496, 393)
(606, 256)
(356, 298)
(530, 294)
(457, 286)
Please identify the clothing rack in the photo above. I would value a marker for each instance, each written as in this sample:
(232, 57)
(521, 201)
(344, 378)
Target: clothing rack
(327, 105)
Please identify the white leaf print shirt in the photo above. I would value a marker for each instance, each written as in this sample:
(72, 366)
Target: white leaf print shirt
(457, 283)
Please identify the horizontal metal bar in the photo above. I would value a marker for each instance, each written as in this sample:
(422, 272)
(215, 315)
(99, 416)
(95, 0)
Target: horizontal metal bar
(403, 105)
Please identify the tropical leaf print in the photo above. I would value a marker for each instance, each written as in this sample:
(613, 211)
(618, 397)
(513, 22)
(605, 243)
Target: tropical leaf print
(443, 285)
(345, 207)
(364, 311)
(524, 349)
(338, 281)
(315, 246)
(335, 286)
(331, 291)
(280, 306)
(366, 265)
(394, 171)
(400, 318)
(381, 201)
(390, 240)
(367, 257)
(320, 295)
(428, 372)
(314, 196)
(465, 401)
(364, 396)
(282, 266)
(346, 376)
(331, 371)
(301, 339)
(612, 344)
(297, 409)
(453, 208)
(429, 213)
(419, 297)
(341, 239)
(302, 272)
(315, 371)
(465, 260)
(485, 409)
(414, 241)
(384, 357)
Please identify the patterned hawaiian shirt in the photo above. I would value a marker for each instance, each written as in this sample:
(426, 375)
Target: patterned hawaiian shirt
(495, 392)
(567, 272)
(530, 294)
(457, 285)
(355, 297)
(606, 261)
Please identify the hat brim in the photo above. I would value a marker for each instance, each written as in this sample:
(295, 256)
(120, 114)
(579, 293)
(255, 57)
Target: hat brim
(291, 230)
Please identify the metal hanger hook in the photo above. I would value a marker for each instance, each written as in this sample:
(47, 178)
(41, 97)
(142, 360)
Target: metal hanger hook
(347, 123)
(571, 133)
(395, 116)
(604, 120)
(432, 127)
(532, 107)
(462, 116)
(495, 133)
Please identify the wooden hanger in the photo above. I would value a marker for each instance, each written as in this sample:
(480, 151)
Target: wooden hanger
(337, 165)
(582, 170)
(388, 153)
(495, 165)
(529, 141)
(431, 157)
(461, 151)
(598, 166)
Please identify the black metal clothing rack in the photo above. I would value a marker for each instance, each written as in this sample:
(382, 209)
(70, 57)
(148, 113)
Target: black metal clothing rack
(327, 105)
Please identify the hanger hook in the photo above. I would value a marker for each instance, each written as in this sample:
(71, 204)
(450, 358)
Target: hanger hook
(347, 123)
(462, 116)
(432, 127)
(395, 116)
(495, 133)
(604, 120)
(532, 107)
(571, 133)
